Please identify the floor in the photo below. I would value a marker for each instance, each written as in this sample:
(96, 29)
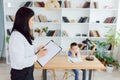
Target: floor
(97, 75)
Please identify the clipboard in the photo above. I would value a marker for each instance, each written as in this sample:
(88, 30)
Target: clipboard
(53, 50)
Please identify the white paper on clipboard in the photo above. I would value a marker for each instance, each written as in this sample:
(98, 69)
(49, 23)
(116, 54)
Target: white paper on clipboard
(53, 49)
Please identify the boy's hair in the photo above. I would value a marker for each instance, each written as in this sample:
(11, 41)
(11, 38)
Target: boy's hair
(73, 44)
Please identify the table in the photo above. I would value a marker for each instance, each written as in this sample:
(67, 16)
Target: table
(61, 62)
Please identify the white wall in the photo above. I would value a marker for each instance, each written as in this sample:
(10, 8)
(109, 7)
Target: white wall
(116, 53)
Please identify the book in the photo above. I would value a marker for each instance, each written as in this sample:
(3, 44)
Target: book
(98, 35)
(65, 4)
(39, 4)
(28, 4)
(109, 19)
(112, 19)
(50, 33)
(45, 19)
(68, 4)
(41, 18)
(95, 5)
(9, 31)
(94, 33)
(83, 20)
(11, 18)
(60, 3)
(80, 20)
(65, 19)
(86, 5)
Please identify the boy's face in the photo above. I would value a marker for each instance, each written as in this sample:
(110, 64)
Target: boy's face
(75, 49)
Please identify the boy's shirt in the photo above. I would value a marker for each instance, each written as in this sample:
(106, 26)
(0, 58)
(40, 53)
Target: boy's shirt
(70, 53)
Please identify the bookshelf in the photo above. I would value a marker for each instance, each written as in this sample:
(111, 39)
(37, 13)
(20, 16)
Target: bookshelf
(72, 22)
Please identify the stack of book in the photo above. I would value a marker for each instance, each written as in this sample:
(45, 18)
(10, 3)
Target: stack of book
(27, 4)
(56, 33)
(10, 18)
(65, 19)
(110, 20)
(41, 18)
(94, 33)
(86, 5)
(67, 4)
(83, 20)
(39, 4)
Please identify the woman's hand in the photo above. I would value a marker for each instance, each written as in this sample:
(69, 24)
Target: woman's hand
(40, 47)
(42, 53)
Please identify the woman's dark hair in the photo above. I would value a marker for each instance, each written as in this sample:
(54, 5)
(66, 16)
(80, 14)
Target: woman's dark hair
(73, 44)
(21, 23)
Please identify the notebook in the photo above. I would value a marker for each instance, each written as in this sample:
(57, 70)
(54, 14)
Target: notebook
(53, 50)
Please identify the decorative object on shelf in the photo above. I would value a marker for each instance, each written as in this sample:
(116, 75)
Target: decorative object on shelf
(52, 4)
(108, 7)
(55, 21)
(88, 43)
(73, 21)
(97, 21)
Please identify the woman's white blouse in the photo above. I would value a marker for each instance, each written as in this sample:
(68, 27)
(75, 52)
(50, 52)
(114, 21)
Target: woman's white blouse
(22, 54)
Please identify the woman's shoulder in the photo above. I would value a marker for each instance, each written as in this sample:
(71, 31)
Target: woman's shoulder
(17, 35)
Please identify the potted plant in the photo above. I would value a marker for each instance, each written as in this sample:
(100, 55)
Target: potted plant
(44, 31)
(7, 39)
(38, 31)
(118, 67)
(113, 37)
(110, 64)
(100, 52)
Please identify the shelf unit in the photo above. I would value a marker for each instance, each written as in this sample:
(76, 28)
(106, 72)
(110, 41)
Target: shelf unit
(75, 30)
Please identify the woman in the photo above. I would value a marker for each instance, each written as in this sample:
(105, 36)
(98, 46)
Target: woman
(21, 48)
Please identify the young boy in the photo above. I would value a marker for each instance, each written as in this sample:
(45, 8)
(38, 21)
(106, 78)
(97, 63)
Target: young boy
(74, 53)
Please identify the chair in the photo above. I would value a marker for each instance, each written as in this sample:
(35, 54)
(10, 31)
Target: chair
(68, 74)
